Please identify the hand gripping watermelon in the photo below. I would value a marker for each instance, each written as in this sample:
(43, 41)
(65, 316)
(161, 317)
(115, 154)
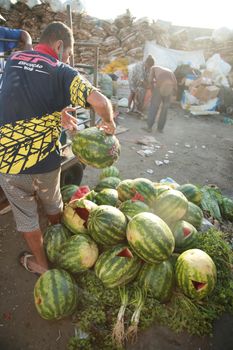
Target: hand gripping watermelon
(76, 213)
(195, 273)
(158, 280)
(92, 146)
(117, 266)
(107, 225)
(150, 237)
(77, 254)
(55, 294)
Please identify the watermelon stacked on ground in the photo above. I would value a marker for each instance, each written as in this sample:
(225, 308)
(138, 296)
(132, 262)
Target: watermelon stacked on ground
(110, 171)
(79, 253)
(76, 213)
(55, 236)
(55, 294)
(191, 192)
(107, 225)
(150, 237)
(117, 266)
(196, 273)
(94, 147)
(158, 280)
(185, 235)
(67, 191)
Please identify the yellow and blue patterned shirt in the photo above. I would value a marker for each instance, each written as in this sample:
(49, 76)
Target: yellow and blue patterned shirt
(35, 88)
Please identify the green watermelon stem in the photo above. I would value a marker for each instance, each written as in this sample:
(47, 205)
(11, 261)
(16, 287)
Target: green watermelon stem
(118, 333)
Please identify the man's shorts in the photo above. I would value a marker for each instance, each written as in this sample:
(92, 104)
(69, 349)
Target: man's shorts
(23, 191)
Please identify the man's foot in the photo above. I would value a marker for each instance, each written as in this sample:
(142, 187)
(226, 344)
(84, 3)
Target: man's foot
(147, 129)
(28, 262)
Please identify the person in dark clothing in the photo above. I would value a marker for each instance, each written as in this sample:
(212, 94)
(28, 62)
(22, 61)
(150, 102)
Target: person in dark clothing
(38, 86)
(164, 85)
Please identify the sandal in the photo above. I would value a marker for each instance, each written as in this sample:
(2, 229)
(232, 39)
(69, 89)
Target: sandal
(23, 261)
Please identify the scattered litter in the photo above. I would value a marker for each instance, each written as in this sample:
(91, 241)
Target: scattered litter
(158, 162)
(146, 140)
(145, 153)
(187, 145)
(148, 147)
(171, 152)
(166, 155)
(157, 146)
(59, 335)
(176, 144)
(150, 171)
(1, 325)
(195, 146)
(203, 146)
(166, 161)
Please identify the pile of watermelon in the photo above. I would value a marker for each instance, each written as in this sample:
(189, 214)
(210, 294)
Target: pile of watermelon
(126, 231)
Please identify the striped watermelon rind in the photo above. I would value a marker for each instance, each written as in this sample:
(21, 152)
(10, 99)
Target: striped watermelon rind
(171, 206)
(191, 192)
(107, 196)
(110, 171)
(131, 208)
(115, 270)
(194, 215)
(55, 294)
(125, 190)
(107, 225)
(78, 254)
(150, 237)
(107, 182)
(196, 273)
(92, 146)
(158, 280)
(72, 219)
(67, 191)
(55, 236)
(146, 190)
(185, 235)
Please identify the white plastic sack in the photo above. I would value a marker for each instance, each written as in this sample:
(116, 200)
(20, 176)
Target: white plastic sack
(188, 99)
(217, 65)
(222, 34)
(170, 58)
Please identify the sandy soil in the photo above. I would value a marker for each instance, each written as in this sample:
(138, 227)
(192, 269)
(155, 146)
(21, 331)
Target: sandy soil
(203, 154)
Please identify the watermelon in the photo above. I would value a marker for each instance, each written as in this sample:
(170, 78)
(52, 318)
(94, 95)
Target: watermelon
(55, 294)
(133, 207)
(195, 273)
(81, 192)
(157, 280)
(67, 191)
(77, 254)
(150, 237)
(227, 208)
(55, 236)
(92, 146)
(171, 206)
(117, 266)
(160, 187)
(75, 215)
(185, 235)
(191, 192)
(125, 190)
(110, 171)
(107, 225)
(108, 196)
(194, 215)
(107, 182)
(144, 190)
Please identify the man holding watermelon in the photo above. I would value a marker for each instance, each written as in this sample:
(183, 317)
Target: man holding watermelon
(36, 90)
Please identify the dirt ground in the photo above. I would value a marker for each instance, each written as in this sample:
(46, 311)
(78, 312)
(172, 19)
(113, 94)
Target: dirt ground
(203, 154)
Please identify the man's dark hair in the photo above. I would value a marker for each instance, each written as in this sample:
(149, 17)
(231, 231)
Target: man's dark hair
(57, 31)
(150, 61)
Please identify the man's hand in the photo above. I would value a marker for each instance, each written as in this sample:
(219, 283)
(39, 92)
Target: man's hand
(67, 120)
(108, 127)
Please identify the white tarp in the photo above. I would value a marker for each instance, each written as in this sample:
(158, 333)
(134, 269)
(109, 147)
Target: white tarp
(170, 58)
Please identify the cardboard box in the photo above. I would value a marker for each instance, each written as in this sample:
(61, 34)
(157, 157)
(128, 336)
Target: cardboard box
(206, 93)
